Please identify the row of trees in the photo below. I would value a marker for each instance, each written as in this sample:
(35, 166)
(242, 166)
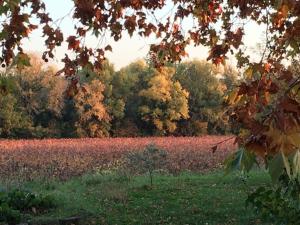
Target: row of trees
(137, 100)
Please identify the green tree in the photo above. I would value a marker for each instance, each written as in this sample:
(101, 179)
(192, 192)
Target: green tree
(13, 122)
(206, 86)
(41, 94)
(114, 102)
(36, 95)
(127, 84)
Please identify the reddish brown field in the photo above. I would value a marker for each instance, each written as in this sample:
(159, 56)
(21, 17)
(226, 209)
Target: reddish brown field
(64, 158)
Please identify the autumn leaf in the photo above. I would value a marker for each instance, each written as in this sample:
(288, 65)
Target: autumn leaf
(249, 73)
(284, 10)
(108, 48)
(267, 67)
(74, 44)
(233, 97)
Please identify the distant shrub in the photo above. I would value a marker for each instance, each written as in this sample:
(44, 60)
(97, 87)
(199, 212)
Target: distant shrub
(147, 161)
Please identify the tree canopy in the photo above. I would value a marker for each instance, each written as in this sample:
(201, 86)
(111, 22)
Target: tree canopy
(137, 100)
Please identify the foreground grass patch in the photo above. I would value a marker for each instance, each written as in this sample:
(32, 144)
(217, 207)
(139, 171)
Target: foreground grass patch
(186, 199)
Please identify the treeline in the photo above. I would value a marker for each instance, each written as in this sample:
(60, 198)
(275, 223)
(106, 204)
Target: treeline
(138, 100)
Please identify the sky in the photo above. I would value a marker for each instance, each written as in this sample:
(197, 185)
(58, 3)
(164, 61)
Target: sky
(126, 50)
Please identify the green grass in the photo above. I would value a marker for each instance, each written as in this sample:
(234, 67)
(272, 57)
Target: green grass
(186, 199)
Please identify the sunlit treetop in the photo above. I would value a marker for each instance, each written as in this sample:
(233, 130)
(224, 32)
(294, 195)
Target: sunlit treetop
(266, 104)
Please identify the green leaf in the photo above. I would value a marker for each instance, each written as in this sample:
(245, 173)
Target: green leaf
(276, 167)
(241, 160)
(287, 165)
(296, 164)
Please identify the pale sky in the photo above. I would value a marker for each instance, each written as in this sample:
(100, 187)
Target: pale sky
(126, 50)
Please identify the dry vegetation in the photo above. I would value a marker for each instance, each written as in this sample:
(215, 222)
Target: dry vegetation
(65, 158)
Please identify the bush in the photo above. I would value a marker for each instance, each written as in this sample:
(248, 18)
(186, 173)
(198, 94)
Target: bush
(16, 202)
(279, 204)
(9, 215)
(27, 201)
(148, 161)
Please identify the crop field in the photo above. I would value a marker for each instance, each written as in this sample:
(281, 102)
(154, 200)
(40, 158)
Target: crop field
(82, 181)
(66, 158)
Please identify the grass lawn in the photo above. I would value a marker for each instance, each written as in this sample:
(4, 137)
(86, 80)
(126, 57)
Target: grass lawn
(187, 199)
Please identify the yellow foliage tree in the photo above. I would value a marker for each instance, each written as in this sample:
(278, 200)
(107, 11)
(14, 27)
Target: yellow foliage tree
(93, 118)
(164, 101)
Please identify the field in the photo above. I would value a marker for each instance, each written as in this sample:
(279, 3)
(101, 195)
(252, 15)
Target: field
(82, 176)
(66, 158)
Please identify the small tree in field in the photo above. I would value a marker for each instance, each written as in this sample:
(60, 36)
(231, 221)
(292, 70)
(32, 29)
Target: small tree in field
(147, 161)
